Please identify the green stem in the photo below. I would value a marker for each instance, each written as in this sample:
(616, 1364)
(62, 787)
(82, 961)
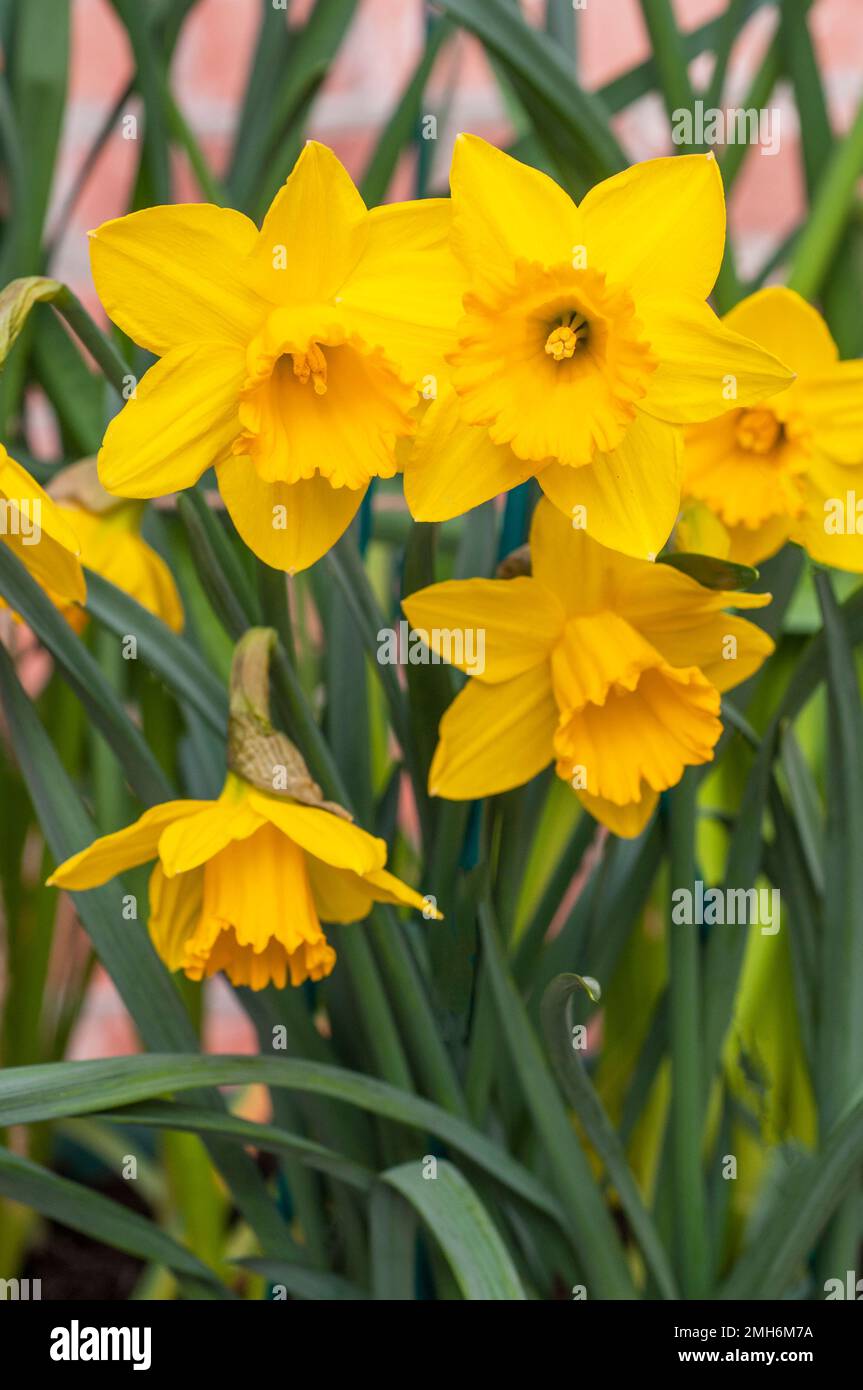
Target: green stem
(412, 1005)
(829, 213)
(668, 54)
(106, 356)
(687, 1106)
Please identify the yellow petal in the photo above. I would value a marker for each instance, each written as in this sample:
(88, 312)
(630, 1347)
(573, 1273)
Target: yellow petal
(700, 531)
(175, 910)
(327, 836)
(125, 849)
(627, 499)
(831, 402)
(182, 420)
(39, 534)
(658, 227)
(566, 561)
(405, 292)
(188, 843)
(288, 525)
(454, 466)
(174, 275)
(626, 821)
(781, 321)
(687, 625)
(341, 896)
(704, 368)
(505, 211)
(494, 737)
(492, 629)
(386, 888)
(833, 511)
(120, 555)
(751, 546)
(314, 232)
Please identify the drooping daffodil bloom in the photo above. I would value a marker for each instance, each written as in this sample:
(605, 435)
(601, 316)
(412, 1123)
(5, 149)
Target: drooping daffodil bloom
(241, 884)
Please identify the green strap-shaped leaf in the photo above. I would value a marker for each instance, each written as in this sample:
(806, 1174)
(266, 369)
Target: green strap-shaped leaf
(25, 597)
(711, 572)
(800, 1213)
(192, 1119)
(459, 1222)
(596, 1239)
(16, 301)
(168, 656)
(312, 1284)
(99, 1217)
(392, 1245)
(579, 1090)
(55, 1090)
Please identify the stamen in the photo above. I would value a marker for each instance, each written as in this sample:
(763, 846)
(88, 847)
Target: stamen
(563, 340)
(311, 363)
(758, 431)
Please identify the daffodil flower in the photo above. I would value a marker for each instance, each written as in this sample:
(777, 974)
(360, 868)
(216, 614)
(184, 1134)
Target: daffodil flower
(585, 340)
(289, 355)
(791, 467)
(35, 529)
(109, 533)
(241, 884)
(608, 666)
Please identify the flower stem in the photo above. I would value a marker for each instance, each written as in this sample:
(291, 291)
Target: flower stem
(106, 356)
(687, 1105)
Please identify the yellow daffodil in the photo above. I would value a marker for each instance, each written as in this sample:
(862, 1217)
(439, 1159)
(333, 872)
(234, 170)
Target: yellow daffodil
(112, 544)
(585, 339)
(791, 467)
(289, 355)
(610, 667)
(35, 529)
(242, 883)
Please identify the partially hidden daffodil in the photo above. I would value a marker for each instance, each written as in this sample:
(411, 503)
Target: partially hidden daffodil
(608, 666)
(242, 884)
(585, 339)
(35, 529)
(109, 532)
(289, 356)
(789, 467)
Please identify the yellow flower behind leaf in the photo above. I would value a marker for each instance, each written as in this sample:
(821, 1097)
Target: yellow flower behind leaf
(34, 528)
(242, 884)
(289, 355)
(607, 666)
(585, 339)
(789, 467)
(111, 542)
